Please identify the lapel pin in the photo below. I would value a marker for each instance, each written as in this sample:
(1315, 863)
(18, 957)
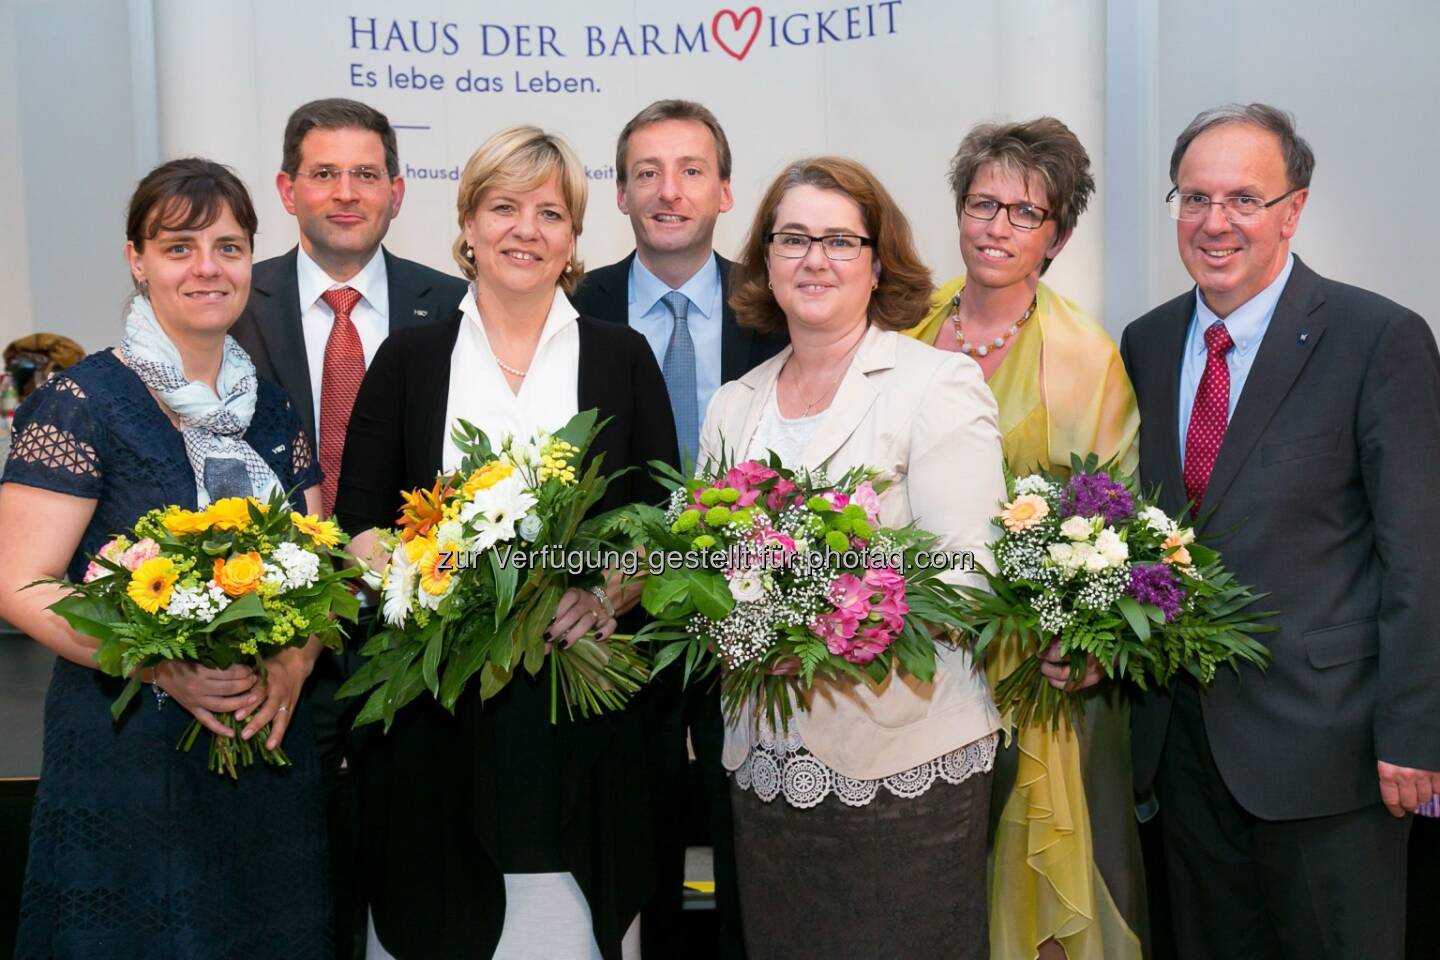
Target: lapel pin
(279, 449)
(422, 313)
(1303, 338)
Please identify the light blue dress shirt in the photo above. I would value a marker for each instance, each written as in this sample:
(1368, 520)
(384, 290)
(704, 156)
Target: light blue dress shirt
(1247, 325)
(650, 316)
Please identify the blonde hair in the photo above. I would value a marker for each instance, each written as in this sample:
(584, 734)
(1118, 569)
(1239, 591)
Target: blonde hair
(522, 158)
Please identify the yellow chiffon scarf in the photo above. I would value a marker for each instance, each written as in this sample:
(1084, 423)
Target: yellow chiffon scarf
(1062, 389)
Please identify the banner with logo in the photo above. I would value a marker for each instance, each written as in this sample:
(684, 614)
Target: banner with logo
(892, 83)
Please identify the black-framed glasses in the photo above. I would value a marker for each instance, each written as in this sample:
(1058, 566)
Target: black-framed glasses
(364, 176)
(1190, 207)
(836, 246)
(1022, 213)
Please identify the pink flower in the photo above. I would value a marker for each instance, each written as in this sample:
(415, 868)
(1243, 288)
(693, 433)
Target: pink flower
(885, 579)
(890, 611)
(751, 473)
(146, 549)
(775, 548)
(775, 499)
(835, 628)
(849, 592)
(112, 551)
(868, 644)
(837, 499)
(868, 500)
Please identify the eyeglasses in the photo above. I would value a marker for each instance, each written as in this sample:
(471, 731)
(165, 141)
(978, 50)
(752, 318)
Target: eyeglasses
(836, 246)
(1021, 214)
(360, 176)
(1190, 207)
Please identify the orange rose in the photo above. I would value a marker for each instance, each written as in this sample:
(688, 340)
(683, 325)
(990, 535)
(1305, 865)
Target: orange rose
(1181, 556)
(240, 574)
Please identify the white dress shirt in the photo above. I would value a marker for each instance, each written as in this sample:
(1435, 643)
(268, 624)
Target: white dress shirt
(371, 315)
(548, 395)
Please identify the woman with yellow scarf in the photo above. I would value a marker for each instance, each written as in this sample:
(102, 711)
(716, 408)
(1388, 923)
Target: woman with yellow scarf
(1066, 874)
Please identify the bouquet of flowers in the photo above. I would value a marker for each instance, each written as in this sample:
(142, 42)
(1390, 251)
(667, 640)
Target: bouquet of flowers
(755, 564)
(231, 584)
(476, 569)
(1089, 562)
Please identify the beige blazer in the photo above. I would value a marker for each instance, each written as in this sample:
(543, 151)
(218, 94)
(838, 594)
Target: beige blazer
(926, 419)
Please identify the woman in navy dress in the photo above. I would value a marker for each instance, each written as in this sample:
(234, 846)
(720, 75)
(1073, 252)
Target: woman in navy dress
(137, 849)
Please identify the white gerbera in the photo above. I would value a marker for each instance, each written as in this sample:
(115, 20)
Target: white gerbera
(399, 588)
(494, 512)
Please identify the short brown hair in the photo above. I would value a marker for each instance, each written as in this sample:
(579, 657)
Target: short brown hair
(522, 158)
(336, 113)
(187, 194)
(903, 294)
(1299, 158)
(662, 110)
(1043, 146)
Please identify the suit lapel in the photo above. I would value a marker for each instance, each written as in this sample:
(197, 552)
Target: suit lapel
(853, 399)
(412, 301)
(1281, 358)
(1167, 437)
(432, 395)
(277, 307)
(735, 340)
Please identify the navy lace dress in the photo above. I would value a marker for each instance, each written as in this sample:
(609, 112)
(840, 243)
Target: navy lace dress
(137, 850)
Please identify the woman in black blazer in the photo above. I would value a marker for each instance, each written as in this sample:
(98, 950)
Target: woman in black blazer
(464, 812)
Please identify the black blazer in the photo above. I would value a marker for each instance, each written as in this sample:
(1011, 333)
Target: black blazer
(1321, 496)
(270, 329)
(451, 803)
(605, 293)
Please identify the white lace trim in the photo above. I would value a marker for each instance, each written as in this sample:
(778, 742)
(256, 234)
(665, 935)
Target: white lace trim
(787, 767)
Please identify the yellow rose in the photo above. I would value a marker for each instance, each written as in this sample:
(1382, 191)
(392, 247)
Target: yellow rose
(325, 533)
(240, 574)
(486, 477)
(179, 522)
(230, 513)
(151, 583)
(1024, 512)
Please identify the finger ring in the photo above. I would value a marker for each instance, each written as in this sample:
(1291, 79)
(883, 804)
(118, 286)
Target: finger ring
(282, 709)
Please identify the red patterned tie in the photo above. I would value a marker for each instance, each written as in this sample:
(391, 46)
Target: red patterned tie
(344, 369)
(1210, 414)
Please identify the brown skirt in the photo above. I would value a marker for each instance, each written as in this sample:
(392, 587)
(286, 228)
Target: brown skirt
(898, 878)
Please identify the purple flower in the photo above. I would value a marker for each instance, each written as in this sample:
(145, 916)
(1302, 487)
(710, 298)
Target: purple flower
(1096, 495)
(1155, 583)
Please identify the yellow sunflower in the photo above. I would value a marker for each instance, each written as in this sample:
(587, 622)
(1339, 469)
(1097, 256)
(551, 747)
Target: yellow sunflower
(325, 533)
(151, 583)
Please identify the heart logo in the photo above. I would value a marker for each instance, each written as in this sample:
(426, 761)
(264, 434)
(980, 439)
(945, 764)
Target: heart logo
(736, 31)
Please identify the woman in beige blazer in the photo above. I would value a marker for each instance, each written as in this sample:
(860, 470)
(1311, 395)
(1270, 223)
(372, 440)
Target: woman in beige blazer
(861, 828)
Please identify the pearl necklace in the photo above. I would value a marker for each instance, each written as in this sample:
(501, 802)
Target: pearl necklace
(999, 342)
(506, 367)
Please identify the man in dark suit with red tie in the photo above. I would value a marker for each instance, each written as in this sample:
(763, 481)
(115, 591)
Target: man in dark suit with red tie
(672, 162)
(1301, 418)
(315, 318)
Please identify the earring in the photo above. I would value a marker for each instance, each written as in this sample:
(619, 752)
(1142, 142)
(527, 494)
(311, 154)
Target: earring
(145, 288)
(875, 285)
(469, 252)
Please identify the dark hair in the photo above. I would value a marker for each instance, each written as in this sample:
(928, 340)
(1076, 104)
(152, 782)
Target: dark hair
(337, 113)
(187, 194)
(1043, 146)
(662, 110)
(1299, 158)
(903, 295)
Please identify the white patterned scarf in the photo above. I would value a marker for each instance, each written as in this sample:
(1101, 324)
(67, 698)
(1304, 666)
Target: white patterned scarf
(213, 425)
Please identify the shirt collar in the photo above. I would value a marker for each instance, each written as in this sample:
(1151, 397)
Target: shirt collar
(371, 282)
(646, 289)
(562, 314)
(1247, 323)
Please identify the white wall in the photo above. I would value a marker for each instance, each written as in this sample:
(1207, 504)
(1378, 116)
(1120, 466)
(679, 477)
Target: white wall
(74, 162)
(1363, 81)
(78, 83)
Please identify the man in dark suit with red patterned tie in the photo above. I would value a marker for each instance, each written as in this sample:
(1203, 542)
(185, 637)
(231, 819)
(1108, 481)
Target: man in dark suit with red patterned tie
(1301, 418)
(315, 318)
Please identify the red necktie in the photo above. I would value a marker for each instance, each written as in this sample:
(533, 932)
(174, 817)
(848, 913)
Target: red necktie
(344, 369)
(1210, 414)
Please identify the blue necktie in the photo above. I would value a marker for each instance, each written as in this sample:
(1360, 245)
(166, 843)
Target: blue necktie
(679, 371)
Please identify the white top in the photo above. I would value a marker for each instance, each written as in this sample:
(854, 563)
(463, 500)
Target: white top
(777, 434)
(371, 315)
(548, 395)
